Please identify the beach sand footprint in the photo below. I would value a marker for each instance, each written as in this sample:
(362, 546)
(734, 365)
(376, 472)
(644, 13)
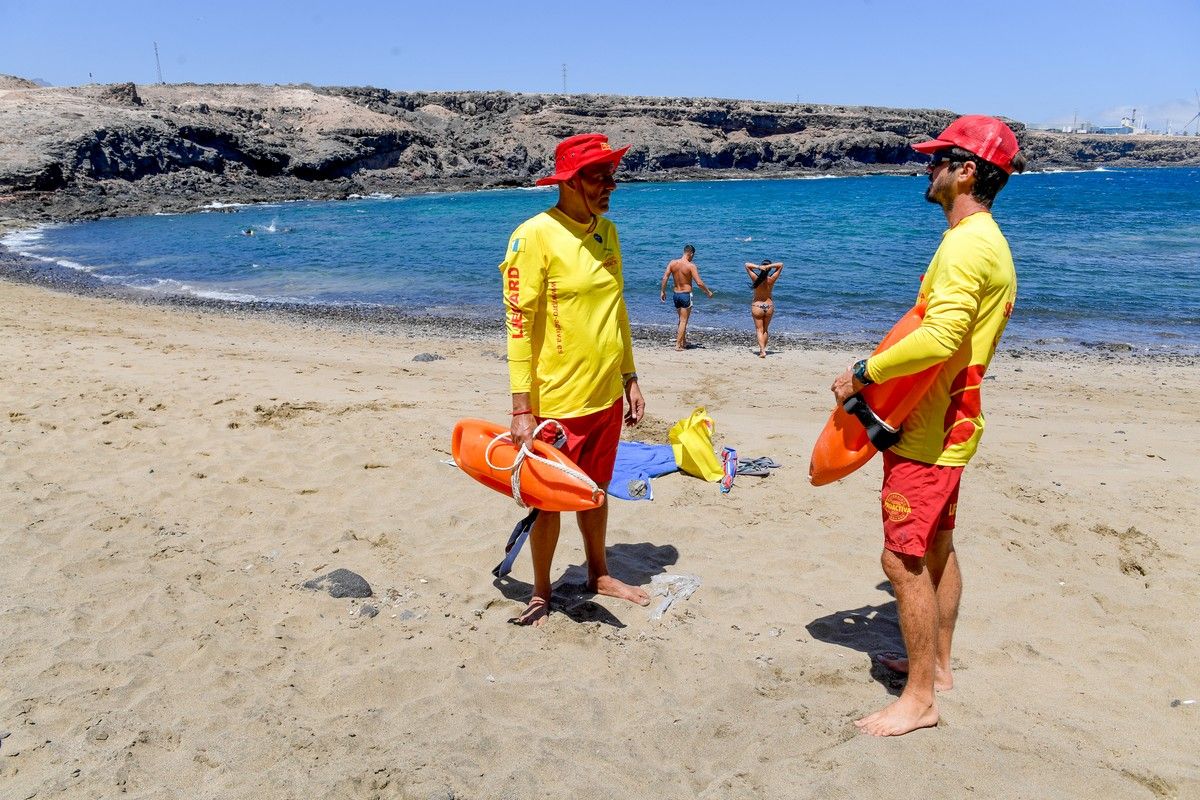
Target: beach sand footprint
(1137, 551)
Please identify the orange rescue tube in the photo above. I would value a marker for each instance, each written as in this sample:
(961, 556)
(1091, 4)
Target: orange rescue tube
(542, 486)
(843, 445)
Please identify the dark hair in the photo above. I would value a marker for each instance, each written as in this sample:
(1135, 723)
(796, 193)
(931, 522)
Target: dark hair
(989, 179)
(766, 261)
(687, 248)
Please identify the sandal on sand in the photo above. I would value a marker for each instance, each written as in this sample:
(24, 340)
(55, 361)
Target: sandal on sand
(758, 467)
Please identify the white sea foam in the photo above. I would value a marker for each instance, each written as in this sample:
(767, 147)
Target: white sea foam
(219, 204)
(215, 295)
(20, 241)
(24, 243)
(172, 286)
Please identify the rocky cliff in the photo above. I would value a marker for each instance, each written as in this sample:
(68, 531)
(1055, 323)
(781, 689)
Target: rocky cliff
(103, 150)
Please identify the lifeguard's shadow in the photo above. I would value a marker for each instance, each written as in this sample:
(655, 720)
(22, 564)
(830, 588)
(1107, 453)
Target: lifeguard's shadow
(634, 564)
(868, 629)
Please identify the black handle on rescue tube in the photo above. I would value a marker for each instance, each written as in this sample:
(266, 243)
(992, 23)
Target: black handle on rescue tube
(881, 434)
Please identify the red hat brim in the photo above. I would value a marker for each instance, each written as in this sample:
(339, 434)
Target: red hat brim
(932, 146)
(612, 156)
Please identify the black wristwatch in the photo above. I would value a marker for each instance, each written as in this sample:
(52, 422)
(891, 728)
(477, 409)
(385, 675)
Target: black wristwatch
(860, 372)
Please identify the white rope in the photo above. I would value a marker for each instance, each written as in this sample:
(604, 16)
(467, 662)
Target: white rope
(524, 453)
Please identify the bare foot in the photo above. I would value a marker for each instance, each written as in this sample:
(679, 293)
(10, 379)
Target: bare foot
(535, 614)
(609, 586)
(943, 678)
(679, 349)
(901, 717)
(762, 355)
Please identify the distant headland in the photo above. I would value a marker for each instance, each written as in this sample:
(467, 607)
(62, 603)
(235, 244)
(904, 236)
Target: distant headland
(113, 150)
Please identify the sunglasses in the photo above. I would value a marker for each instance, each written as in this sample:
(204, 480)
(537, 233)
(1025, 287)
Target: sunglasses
(941, 156)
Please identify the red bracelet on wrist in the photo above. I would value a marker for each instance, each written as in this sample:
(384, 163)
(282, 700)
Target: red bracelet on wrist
(519, 413)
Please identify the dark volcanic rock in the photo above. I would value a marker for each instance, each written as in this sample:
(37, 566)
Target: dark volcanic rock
(124, 94)
(341, 583)
(427, 357)
(111, 150)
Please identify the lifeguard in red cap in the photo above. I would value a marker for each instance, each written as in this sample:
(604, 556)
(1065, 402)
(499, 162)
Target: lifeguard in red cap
(570, 353)
(968, 291)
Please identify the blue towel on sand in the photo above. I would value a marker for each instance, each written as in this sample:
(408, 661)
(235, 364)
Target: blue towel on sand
(637, 463)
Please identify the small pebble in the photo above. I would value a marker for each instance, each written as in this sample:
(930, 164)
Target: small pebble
(368, 611)
(427, 357)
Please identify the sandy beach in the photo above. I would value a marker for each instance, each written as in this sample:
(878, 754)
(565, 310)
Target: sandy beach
(172, 477)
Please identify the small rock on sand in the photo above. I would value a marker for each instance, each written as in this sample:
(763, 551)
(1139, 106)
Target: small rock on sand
(340, 583)
(427, 357)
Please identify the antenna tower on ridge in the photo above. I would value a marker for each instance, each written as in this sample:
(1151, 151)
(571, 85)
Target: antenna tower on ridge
(564, 73)
(157, 63)
(1196, 118)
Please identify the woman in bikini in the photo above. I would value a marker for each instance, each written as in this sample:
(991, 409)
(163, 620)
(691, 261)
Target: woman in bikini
(762, 307)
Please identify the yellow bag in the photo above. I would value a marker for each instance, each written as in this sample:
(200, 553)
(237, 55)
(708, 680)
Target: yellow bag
(691, 441)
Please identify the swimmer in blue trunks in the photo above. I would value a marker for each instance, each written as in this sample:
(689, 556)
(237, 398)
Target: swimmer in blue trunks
(683, 273)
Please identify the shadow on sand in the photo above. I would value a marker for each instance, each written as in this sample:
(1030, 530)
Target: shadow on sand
(868, 629)
(634, 564)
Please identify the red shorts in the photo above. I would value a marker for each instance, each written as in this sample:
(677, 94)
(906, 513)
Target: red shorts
(918, 500)
(591, 440)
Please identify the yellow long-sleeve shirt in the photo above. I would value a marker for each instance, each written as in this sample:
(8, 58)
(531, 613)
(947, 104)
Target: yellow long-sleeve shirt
(969, 291)
(568, 328)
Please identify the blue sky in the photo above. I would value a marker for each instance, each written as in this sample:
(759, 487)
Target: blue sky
(1039, 62)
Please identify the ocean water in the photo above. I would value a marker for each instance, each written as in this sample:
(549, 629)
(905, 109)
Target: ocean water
(1103, 257)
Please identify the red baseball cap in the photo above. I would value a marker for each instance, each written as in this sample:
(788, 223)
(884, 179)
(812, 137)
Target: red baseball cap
(986, 137)
(577, 152)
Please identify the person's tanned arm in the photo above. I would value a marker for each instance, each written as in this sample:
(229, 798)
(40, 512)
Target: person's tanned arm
(662, 290)
(700, 283)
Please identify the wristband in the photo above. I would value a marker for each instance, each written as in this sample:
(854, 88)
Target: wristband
(519, 413)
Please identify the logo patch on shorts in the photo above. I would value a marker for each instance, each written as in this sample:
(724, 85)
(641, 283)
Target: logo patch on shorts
(897, 507)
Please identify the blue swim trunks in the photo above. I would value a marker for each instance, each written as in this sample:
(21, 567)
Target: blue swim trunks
(683, 299)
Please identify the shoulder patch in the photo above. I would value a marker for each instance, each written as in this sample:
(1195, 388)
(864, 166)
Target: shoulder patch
(517, 245)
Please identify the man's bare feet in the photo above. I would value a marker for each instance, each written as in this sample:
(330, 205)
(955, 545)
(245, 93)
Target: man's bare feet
(609, 586)
(943, 678)
(762, 354)
(901, 717)
(535, 614)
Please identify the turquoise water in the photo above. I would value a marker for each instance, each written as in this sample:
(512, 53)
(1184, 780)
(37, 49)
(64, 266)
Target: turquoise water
(1102, 257)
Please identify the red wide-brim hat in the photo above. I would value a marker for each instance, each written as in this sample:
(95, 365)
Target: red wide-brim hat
(577, 152)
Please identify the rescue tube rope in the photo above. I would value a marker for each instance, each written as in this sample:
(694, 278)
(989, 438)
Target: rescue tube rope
(524, 453)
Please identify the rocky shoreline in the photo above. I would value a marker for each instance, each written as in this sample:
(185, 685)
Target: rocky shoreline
(390, 320)
(117, 150)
